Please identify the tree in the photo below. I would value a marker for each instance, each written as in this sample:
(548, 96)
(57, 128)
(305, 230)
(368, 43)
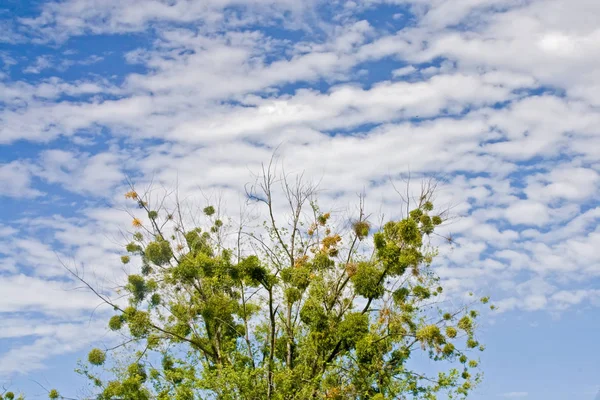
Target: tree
(302, 309)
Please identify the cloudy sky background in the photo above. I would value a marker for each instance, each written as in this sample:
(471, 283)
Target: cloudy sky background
(500, 97)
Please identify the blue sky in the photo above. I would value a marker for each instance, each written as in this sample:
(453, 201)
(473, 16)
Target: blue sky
(502, 97)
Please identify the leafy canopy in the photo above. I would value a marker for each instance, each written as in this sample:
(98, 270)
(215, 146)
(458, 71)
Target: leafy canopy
(296, 310)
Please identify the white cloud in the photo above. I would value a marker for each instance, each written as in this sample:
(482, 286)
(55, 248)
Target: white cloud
(25, 293)
(566, 299)
(528, 213)
(403, 71)
(90, 174)
(49, 340)
(58, 21)
(506, 107)
(564, 182)
(16, 180)
(41, 63)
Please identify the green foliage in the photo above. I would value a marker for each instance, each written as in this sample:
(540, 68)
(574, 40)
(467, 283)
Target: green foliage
(96, 357)
(368, 280)
(210, 210)
(133, 247)
(400, 295)
(53, 394)
(421, 292)
(155, 299)
(137, 287)
(353, 328)
(430, 334)
(116, 322)
(451, 332)
(159, 252)
(292, 313)
(465, 323)
(361, 229)
(138, 322)
(197, 243)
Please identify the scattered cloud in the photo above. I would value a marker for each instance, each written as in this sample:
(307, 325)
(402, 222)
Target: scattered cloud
(16, 180)
(499, 98)
(41, 63)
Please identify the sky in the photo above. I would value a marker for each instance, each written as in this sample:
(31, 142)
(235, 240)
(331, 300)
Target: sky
(499, 98)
